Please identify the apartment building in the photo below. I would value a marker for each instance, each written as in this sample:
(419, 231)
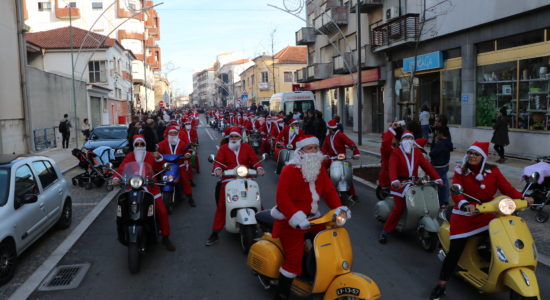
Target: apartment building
(205, 92)
(228, 76)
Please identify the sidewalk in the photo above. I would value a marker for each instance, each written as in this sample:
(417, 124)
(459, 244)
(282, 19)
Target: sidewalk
(62, 157)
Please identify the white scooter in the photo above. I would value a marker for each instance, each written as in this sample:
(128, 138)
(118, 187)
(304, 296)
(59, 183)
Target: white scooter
(242, 202)
(341, 174)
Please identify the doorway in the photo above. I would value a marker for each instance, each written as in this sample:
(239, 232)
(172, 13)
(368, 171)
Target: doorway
(428, 92)
(377, 114)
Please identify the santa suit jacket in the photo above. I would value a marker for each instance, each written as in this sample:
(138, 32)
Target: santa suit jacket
(231, 159)
(190, 135)
(386, 148)
(164, 147)
(284, 137)
(465, 224)
(275, 130)
(336, 144)
(246, 124)
(266, 127)
(156, 166)
(295, 195)
(195, 122)
(403, 166)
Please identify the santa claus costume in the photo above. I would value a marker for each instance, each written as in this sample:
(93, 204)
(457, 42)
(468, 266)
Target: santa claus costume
(192, 135)
(265, 130)
(386, 148)
(178, 145)
(288, 136)
(143, 158)
(302, 183)
(229, 156)
(404, 163)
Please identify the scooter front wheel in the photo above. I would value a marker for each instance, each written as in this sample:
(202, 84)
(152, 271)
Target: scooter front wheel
(248, 233)
(541, 216)
(133, 258)
(428, 240)
(515, 296)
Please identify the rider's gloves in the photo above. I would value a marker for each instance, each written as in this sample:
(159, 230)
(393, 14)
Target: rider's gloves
(304, 225)
(356, 156)
(344, 208)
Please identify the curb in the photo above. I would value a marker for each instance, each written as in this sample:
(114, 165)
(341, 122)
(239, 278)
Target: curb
(30, 285)
(68, 169)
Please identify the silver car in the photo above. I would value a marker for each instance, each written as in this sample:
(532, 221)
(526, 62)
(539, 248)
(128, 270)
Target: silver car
(34, 197)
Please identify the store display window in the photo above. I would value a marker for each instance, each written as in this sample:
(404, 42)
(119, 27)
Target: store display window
(450, 95)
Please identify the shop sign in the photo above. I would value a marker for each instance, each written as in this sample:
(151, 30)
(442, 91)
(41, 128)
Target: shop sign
(424, 62)
(465, 98)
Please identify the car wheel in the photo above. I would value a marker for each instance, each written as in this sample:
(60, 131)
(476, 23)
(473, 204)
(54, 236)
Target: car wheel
(66, 215)
(8, 259)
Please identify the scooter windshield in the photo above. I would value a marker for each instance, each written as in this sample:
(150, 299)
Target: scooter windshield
(144, 170)
(171, 157)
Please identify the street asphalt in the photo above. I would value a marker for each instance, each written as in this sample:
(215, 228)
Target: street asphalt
(401, 268)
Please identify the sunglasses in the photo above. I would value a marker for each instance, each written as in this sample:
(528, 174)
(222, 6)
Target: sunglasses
(470, 153)
(139, 144)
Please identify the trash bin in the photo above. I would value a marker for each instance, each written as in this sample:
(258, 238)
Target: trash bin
(121, 119)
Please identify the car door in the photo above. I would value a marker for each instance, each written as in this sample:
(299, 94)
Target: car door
(28, 219)
(52, 191)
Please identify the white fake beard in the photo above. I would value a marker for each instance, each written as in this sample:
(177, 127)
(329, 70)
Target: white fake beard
(310, 164)
(235, 145)
(407, 145)
(139, 153)
(173, 140)
(188, 127)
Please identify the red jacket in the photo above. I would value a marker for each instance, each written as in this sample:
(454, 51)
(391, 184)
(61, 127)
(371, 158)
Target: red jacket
(275, 130)
(190, 135)
(164, 147)
(399, 168)
(336, 144)
(266, 127)
(386, 148)
(284, 137)
(246, 124)
(464, 224)
(245, 157)
(152, 166)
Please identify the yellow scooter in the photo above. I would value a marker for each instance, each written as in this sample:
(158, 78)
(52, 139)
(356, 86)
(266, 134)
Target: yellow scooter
(509, 261)
(327, 265)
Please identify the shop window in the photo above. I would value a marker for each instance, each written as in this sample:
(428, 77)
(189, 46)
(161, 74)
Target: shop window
(451, 53)
(496, 88)
(487, 46)
(521, 39)
(534, 96)
(450, 96)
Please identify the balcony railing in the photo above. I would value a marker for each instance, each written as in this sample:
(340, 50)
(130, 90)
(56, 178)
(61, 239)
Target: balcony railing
(302, 75)
(329, 21)
(319, 71)
(395, 32)
(345, 63)
(366, 6)
(305, 36)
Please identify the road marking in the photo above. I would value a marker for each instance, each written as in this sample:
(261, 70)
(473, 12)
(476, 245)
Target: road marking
(208, 132)
(28, 287)
(85, 204)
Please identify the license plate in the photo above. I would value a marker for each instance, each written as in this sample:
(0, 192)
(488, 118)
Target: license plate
(348, 291)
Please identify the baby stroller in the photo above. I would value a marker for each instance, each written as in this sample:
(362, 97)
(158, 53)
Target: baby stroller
(539, 186)
(95, 172)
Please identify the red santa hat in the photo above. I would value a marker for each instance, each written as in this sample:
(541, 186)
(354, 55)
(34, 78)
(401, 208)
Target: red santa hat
(292, 121)
(234, 131)
(268, 118)
(483, 149)
(172, 128)
(278, 119)
(305, 140)
(406, 134)
(139, 137)
(421, 142)
(332, 124)
(186, 121)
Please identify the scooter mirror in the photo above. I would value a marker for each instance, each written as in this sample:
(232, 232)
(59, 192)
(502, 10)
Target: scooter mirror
(109, 166)
(535, 177)
(211, 158)
(457, 189)
(264, 156)
(166, 166)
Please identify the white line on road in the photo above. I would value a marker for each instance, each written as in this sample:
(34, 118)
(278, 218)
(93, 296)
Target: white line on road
(208, 132)
(28, 287)
(85, 204)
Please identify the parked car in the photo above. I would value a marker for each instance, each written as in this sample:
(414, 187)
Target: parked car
(114, 136)
(34, 197)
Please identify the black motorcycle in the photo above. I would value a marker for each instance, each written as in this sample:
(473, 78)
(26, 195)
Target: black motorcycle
(537, 179)
(135, 216)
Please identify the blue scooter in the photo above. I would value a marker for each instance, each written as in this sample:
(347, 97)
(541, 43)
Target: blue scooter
(171, 180)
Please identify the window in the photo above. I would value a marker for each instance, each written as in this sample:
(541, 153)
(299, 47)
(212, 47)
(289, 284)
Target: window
(487, 46)
(289, 77)
(450, 96)
(44, 6)
(97, 5)
(265, 76)
(521, 39)
(72, 4)
(96, 71)
(46, 173)
(496, 88)
(24, 182)
(4, 185)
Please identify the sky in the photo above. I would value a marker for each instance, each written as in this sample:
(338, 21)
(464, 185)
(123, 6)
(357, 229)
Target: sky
(193, 32)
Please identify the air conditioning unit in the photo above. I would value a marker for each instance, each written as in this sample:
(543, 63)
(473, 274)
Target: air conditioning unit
(392, 12)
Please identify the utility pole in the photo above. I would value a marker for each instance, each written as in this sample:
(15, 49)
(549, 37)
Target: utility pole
(273, 59)
(145, 65)
(72, 72)
(359, 79)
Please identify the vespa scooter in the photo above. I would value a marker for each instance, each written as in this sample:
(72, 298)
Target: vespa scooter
(421, 212)
(172, 179)
(327, 265)
(341, 174)
(243, 201)
(509, 260)
(284, 156)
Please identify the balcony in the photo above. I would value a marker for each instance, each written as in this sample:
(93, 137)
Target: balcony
(263, 86)
(305, 36)
(366, 6)
(123, 34)
(302, 75)
(345, 63)
(67, 12)
(395, 32)
(319, 71)
(330, 20)
(331, 3)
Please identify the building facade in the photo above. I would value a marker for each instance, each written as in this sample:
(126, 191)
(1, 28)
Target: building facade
(228, 76)
(206, 87)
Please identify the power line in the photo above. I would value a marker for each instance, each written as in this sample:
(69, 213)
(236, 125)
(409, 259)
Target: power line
(213, 9)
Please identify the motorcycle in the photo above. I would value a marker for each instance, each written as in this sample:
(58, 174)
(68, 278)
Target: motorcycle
(341, 174)
(212, 122)
(136, 225)
(537, 177)
(507, 259)
(243, 201)
(327, 261)
(421, 212)
(221, 125)
(284, 157)
(254, 140)
(172, 179)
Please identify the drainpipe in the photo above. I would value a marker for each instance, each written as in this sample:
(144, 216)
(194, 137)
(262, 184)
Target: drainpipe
(21, 29)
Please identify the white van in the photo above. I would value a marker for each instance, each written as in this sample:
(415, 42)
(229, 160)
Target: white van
(289, 101)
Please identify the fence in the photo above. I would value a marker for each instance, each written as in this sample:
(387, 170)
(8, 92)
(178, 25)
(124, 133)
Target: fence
(44, 138)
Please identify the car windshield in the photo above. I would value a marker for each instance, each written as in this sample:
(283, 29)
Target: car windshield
(109, 133)
(4, 185)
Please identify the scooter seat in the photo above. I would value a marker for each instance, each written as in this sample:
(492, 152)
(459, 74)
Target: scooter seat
(265, 220)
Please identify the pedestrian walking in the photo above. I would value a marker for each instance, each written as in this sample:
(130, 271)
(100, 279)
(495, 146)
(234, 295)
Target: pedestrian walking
(86, 128)
(500, 135)
(440, 124)
(440, 156)
(150, 133)
(307, 125)
(65, 130)
(424, 119)
(319, 127)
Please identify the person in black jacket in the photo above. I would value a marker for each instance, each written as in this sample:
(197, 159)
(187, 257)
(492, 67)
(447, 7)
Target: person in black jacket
(319, 127)
(150, 134)
(500, 135)
(308, 127)
(440, 156)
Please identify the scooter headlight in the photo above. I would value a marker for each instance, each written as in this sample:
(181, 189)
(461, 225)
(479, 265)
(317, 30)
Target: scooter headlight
(242, 171)
(136, 182)
(170, 178)
(340, 218)
(507, 206)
